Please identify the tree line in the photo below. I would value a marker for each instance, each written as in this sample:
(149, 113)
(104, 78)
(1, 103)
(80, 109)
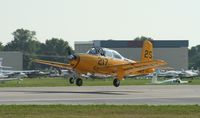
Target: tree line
(194, 57)
(55, 49)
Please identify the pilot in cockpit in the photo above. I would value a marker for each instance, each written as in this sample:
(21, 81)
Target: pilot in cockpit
(92, 51)
(105, 52)
(96, 51)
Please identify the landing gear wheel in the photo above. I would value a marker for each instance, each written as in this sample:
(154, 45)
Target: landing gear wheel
(116, 82)
(79, 82)
(71, 80)
(178, 81)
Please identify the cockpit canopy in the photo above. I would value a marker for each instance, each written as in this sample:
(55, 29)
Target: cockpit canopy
(105, 52)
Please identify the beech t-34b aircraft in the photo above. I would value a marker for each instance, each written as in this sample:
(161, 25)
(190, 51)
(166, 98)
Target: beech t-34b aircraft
(108, 62)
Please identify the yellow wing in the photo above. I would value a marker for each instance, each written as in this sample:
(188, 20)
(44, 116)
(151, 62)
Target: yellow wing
(133, 67)
(52, 63)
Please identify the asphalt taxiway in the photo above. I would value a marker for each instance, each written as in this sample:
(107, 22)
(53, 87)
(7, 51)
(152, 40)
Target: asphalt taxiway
(147, 94)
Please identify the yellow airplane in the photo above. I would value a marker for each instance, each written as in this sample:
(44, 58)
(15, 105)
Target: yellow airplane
(108, 62)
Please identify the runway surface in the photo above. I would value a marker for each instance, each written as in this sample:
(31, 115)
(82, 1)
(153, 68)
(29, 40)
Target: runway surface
(147, 94)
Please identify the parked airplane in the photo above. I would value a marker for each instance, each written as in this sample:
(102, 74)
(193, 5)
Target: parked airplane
(3, 67)
(188, 74)
(8, 75)
(173, 73)
(7, 72)
(168, 74)
(2, 75)
(108, 62)
(169, 81)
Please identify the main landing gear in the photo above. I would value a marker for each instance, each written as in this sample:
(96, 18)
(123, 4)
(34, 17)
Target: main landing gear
(116, 82)
(71, 80)
(79, 81)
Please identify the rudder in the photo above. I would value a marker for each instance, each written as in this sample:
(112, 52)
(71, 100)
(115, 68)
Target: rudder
(147, 51)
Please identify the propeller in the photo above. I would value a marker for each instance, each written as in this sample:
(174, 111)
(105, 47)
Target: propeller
(72, 57)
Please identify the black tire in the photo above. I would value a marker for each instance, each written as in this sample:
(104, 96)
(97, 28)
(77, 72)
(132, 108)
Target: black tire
(79, 82)
(116, 82)
(71, 80)
(178, 81)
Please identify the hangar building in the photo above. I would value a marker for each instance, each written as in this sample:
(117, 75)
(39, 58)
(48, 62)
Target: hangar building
(174, 52)
(12, 59)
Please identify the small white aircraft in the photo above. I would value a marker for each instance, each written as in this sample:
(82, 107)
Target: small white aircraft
(2, 75)
(3, 67)
(188, 74)
(168, 74)
(8, 75)
(5, 71)
(169, 81)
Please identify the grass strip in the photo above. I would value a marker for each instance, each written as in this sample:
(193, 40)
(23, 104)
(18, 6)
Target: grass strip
(53, 82)
(99, 111)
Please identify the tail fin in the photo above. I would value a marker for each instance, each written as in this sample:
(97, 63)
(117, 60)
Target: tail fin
(147, 51)
(158, 71)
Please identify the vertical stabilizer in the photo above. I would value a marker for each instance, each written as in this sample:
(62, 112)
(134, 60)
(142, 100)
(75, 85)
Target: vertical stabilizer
(147, 51)
(158, 71)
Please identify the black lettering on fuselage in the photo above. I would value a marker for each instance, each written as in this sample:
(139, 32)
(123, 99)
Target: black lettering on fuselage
(102, 61)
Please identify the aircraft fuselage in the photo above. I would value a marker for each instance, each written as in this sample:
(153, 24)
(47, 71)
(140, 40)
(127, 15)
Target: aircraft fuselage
(86, 63)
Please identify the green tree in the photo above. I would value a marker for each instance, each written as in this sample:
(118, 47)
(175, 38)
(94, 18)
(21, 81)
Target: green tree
(24, 41)
(1, 47)
(57, 47)
(54, 49)
(142, 38)
(194, 57)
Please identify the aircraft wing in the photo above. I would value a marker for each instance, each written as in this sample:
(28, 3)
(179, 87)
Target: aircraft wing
(17, 71)
(54, 64)
(5, 67)
(8, 79)
(133, 67)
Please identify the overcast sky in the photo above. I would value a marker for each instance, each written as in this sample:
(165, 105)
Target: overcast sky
(85, 20)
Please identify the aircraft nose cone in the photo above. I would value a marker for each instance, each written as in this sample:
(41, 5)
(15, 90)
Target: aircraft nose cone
(73, 60)
(72, 57)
